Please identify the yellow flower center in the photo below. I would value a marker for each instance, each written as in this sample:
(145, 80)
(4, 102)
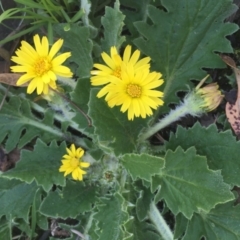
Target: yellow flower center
(42, 66)
(117, 72)
(134, 90)
(74, 162)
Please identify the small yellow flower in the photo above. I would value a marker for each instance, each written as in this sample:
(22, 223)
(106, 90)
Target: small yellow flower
(40, 65)
(114, 64)
(72, 163)
(134, 91)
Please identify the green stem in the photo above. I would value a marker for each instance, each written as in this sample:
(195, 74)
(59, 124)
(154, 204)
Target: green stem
(173, 116)
(40, 109)
(58, 117)
(67, 81)
(89, 223)
(123, 178)
(160, 223)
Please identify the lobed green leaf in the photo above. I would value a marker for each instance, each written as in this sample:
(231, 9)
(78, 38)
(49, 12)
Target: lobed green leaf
(222, 222)
(112, 23)
(114, 132)
(111, 216)
(188, 186)
(20, 126)
(41, 164)
(134, 11)
(76, 198)
(181, 40)
(221, 148)
(16, 198)
(142, 166)
(76, 39)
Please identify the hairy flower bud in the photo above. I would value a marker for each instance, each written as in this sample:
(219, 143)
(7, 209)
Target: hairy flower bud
(204, 99)
(211, 96)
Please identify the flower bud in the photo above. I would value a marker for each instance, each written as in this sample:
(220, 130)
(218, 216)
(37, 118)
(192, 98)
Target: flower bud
(211, 96)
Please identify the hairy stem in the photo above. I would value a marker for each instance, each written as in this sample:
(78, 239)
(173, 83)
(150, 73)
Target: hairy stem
(173, 116)
(159, 222)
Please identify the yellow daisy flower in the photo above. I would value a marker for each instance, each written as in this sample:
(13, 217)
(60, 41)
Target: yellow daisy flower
(114, 64)
(134, 91)
(40, 65)
(72, 163)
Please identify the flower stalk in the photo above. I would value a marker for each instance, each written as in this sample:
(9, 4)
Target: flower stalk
(197, 102)
(160, 223)
(173, 116)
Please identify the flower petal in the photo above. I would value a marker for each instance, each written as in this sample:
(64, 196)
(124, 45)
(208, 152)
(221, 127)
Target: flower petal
(108, 60)
(55, 48)
(45, 46)
(127, 54)
(60, 59)
(32, 85)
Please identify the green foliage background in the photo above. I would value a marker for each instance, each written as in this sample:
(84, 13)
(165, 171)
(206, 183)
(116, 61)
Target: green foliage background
(190, 177)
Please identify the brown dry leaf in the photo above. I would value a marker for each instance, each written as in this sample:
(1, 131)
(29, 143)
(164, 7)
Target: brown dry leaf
(229, 61)
(11, 79)
(233, 117)
(8, 161)
(233, 110)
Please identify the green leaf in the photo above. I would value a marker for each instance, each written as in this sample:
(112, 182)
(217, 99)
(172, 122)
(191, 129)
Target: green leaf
(23, 226)
(142, 166)
(188, 186)
(221, 148)
(77, 41)
(143, 203)
(135, 11)
(41, 220)
(20, 126)
(76, 198)
(41, 164)
(114, 132)
(183, 38)
(141, 230)
(6, 184)
(8, 13)
(112, 22)
(81, 93)
(16, 198)
(180, 226)
(80, 96)
(5, 229)
(110, 217)
(221, 222)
